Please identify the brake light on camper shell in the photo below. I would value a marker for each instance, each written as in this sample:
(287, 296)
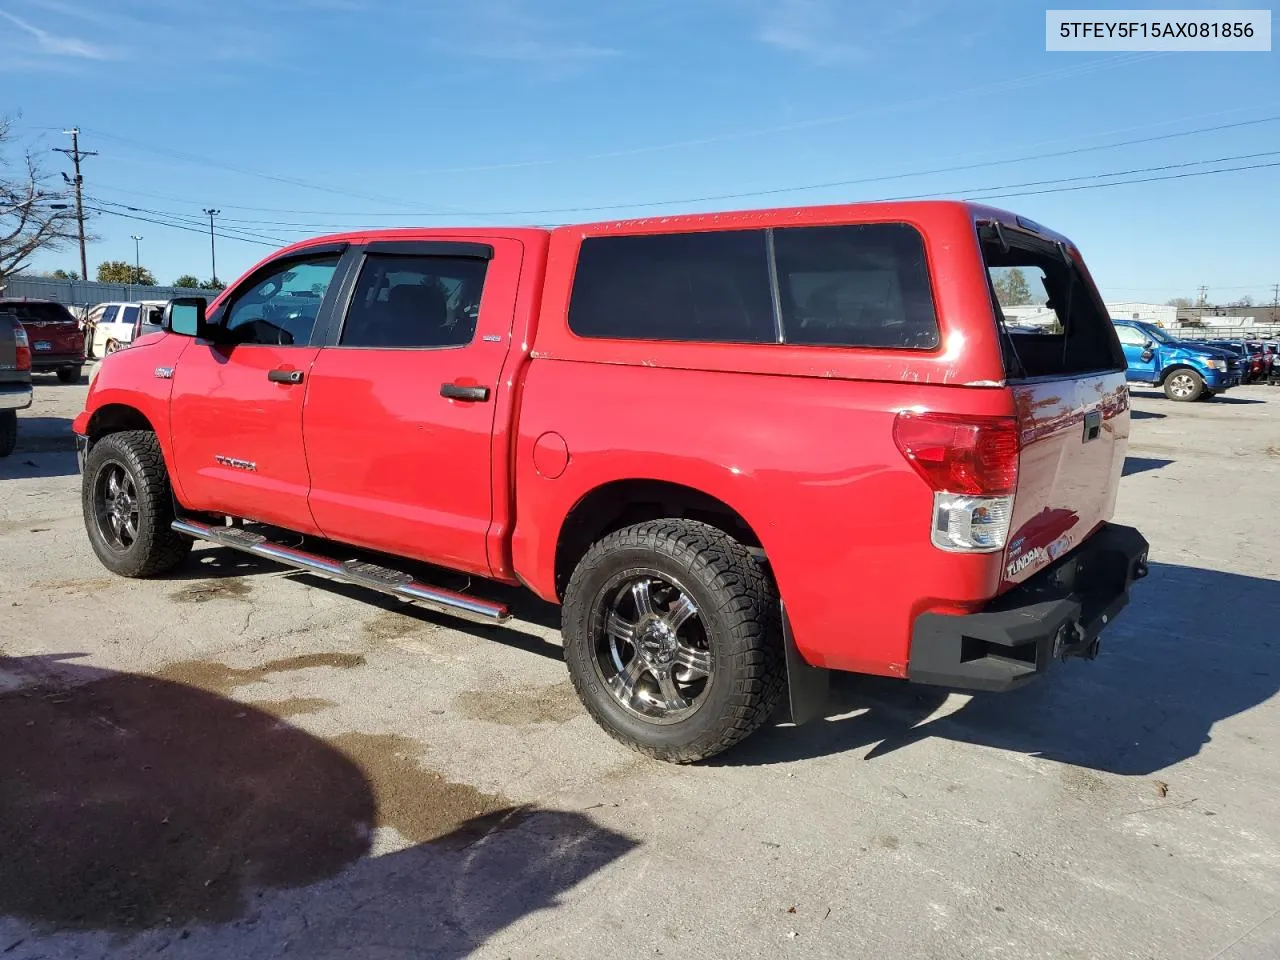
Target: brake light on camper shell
(971, 464)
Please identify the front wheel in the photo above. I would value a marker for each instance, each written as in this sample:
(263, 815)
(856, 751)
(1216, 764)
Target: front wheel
(1184, 385)
(673, 639)
(128, 506)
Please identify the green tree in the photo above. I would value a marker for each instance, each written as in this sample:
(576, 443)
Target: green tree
(61, 274)
(214, 284)
(1182, 303)
(1011, 288)
(187, 280)
(118, 271)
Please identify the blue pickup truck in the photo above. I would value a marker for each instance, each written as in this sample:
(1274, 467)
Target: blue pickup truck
(1187, 371)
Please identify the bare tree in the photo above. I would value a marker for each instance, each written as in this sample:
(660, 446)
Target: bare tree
(32, 217)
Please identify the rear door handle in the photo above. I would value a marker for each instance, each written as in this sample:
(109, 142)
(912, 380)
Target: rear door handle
(457, 392)
(285, 376)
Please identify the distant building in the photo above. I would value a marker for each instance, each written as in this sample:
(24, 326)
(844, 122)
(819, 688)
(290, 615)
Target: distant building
(1160, 314)
(1030, 315)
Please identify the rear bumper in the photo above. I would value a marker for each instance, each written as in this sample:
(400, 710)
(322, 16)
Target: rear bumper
(15, 396)
(1058, 613)
(47, 361)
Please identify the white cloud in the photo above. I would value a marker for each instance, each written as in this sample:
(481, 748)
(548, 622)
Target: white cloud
(59, 45)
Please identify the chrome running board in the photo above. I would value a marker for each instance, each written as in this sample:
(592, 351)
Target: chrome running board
(382, 579)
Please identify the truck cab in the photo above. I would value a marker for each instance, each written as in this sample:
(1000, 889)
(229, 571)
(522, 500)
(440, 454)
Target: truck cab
(1186, 371)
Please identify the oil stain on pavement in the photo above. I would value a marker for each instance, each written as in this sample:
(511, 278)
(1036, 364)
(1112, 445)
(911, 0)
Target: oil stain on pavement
(230, 588)
(556, 703)
(219, 678)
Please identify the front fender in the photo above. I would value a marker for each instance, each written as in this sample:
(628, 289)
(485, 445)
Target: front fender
(138, 380)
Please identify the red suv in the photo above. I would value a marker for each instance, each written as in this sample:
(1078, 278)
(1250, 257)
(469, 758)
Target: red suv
(741, 450)
(57, 343)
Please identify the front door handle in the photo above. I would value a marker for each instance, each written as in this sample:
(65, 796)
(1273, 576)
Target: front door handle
(285, 376)
(456, 391)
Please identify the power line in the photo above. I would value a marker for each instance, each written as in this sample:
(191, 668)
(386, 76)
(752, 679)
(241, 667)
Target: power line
(186, 219)
(971, 192)
(734, 196)
(179, 226)
(1012, 83)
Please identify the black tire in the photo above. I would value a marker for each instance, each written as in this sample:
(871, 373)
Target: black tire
(8, 431)
(1184, 385)
(69, 374)
(155, 548)
(740, 620)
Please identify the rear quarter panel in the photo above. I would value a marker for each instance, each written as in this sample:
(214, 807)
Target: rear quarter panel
(809, 463)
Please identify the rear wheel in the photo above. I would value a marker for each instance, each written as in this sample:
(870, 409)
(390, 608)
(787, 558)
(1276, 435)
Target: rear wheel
(68, 374)
(128, 506)
(1183, 385)
(8, 431)
(673, 639)
(112, 347)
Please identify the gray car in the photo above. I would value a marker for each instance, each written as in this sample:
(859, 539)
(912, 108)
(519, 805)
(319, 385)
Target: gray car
(15, 379)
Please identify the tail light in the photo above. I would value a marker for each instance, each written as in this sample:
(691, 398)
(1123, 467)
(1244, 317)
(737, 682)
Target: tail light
(971, 464)
(24, 348)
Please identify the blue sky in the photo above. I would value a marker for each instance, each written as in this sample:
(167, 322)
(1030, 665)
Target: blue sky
(296, 117)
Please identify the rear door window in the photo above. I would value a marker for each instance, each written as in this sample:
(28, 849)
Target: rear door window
(415, 301)
(864, 285)
(708, 287)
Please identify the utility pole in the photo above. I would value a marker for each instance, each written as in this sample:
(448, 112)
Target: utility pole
(213, 253)
(1203, 295)
(76, 155)
(137, 257)
(1275, 296)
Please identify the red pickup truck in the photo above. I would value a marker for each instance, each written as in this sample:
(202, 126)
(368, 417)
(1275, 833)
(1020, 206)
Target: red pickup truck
(740, 450)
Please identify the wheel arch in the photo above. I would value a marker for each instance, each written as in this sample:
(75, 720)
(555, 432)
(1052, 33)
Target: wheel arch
(1173, 368)
(621, 503)
(116, 417)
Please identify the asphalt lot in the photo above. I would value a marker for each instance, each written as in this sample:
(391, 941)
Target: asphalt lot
(239, 762)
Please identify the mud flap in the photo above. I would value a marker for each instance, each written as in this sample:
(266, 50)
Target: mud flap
(807, 685)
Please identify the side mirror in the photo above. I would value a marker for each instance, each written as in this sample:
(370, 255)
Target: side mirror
(185, 316)
(1148, 344)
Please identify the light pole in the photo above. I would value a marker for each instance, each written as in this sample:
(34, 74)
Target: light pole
(213, 253)
(137, 257)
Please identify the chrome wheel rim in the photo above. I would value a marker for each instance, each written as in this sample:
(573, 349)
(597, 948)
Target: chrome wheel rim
(116, 506)
(112, 347)
(651, 649)
(1182, 385)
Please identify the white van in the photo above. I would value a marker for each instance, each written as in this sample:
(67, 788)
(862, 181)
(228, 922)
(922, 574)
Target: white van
(113, 324)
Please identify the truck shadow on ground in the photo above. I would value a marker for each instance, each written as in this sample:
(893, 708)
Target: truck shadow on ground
(211, 563)
(1134, 465)
(1218, 398)
(1193, 648)
(46, 448)
(142, 811)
